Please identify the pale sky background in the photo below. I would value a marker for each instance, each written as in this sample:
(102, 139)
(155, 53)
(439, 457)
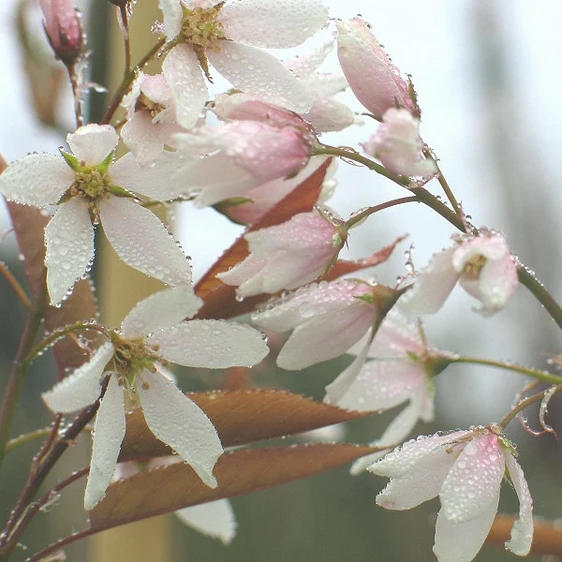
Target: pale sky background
(435, 41)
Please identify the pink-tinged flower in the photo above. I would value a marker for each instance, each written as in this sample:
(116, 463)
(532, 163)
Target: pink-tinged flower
(326, 319)
(64, 29)
(230, 37)
(396, 367)
(88, 188)
(152, 333)
(151, 114)
(372, 76)
(243, 155)
(398, 145)
(482, 265)
(465, 469)
(288, 255)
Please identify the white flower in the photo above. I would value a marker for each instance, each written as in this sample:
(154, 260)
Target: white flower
(88, 188)
(226, 35)
(153, 332)
(465, 469)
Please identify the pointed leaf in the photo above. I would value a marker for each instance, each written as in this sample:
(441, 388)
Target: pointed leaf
(240, 417)
(171, 487)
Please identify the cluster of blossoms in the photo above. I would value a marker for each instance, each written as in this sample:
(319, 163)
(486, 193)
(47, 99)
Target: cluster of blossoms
(244, 152)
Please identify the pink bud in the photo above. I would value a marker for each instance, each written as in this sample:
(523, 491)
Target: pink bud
(64, 30)
(375, 81)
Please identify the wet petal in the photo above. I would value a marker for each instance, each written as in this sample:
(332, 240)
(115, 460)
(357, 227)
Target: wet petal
(109, 431)
(213, 344)
(261, 75)
(522, 531)
(93, 143)
(37, 179)
(143, 242)
(271, 24)
(460, 542)
(180, 423)
(161, 310)
(173, 15)
(69, 239)
(82, 387)
(214, 519)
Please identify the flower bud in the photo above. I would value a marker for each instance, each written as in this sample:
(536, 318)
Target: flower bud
(64, 29)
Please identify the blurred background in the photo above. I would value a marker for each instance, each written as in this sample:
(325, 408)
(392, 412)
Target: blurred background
(486, 72)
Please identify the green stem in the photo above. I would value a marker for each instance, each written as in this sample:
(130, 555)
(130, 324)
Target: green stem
(355, 219)
(536, 374)
(127, 81)
(18, 289)
(523, 405)
(26, 438)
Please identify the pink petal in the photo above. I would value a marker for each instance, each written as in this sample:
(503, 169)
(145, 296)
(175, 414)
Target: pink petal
(212, 344)
(82, 387)
(161, 310)
(183, 74)
(92, 144)
(396, 337)
(143, 242)
(522, 531)
(69, 238)
(109, 430)
(261, 75)
(460, 542)
(37, 179)
(271, 24)
(180, 423)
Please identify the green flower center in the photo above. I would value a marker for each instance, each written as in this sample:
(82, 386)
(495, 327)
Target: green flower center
(201, 28)
(130, 359)
(473, 267)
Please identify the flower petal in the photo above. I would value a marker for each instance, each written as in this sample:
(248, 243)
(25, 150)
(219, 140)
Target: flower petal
(161, 310)
(214, 519)
(109, 431)
(261, 75)
(37, 179)
(183, 74)
(474, 479)
(143, 242)
(69, 239)
(460, 542)
(82, 387)
(522, 531)
(271, 24)
(180, 423)
(173, 15)
(213, 344)
(93, 143)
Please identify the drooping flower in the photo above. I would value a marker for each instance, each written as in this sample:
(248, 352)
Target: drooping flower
(153, 333)
(373, 78)
(88, 188)
(398, 145)
(326, 319)
(64, 29)
(238, 156)
(230, 36)
(288, 255)
(465, 469)
(151, 116)
(481, 264)
(396, 367)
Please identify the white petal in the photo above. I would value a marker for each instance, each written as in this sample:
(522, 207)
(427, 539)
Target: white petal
(161, 310)
(213, 344)
(214, 519)
(180, 423)
(271, 24)
(109, 431)
(82, 387)
(69, 239)
(327, 114)
(93, 143)
(460, 542)
(37, 179)
(143, 242)
(173, 15)
(261, 75)
(432, 286)
(522, 531)
(183, 74)
(474, 479)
